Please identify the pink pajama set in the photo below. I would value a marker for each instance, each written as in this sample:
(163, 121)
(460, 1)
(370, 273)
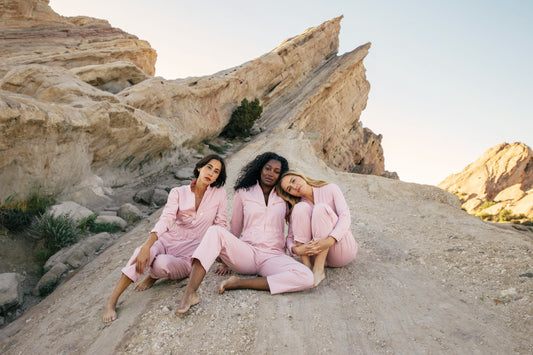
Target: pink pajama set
(261, 249)
(328, 216)
(180, 230)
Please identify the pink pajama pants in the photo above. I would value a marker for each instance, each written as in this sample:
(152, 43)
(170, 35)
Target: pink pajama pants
(162, 265)
(283, 273)
(316, 223)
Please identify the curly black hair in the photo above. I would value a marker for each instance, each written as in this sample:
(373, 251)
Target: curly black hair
(251, 173)
(221, 180)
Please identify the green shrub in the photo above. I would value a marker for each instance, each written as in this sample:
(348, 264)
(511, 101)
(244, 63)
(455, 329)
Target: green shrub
(485, 216)
(242, 119)
(505, 216)
(486, 204)
(105, 227)
(18, 215)
(57, 232)
(88, 225)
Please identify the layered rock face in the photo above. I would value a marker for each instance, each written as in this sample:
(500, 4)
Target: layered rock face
(32, 33)
(71, 124)
(502, 176)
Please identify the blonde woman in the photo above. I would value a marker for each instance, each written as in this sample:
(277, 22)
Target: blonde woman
(319, 230)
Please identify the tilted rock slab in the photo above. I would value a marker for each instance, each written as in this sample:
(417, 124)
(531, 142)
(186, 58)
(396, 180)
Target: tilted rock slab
(68, 136)
(503, 174)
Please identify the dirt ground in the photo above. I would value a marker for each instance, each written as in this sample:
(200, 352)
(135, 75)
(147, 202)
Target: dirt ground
(428, 279)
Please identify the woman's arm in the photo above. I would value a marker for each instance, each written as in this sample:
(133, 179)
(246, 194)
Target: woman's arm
(221, 218)
(343, 211)
(168, 216)
(237, 216)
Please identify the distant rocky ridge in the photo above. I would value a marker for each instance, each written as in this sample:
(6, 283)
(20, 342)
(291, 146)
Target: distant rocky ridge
(77, 122)
(501, 179)
(32, 33)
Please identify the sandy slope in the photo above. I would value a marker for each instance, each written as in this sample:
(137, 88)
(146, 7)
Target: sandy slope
(428, 279)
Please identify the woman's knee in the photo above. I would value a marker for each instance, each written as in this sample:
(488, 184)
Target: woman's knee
(301, 211)
(322, 209)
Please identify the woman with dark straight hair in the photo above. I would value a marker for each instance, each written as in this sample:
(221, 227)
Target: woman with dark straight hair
(190, 210)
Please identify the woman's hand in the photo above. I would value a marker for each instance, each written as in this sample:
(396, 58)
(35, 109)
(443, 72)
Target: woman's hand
(142, 259)
(303, 249)
(313, 247)
(222, 270)
(319, 246)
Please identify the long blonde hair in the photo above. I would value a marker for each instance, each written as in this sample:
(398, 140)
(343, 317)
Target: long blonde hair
(293, 200)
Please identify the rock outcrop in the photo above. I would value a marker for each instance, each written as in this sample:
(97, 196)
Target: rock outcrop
(82, 130)
(502, 178)
(32, 33)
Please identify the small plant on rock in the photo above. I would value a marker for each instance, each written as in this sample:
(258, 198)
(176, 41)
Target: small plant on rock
(242, 119)
(56, 232)
(89, 225)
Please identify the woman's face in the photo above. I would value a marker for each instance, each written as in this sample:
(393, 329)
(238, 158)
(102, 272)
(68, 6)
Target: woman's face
(209, 172)
(270, 173)
(294, 185)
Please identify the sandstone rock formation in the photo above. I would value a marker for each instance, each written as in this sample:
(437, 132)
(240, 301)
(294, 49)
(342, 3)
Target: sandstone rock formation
(502, 178)
(32, 33)
(66, 130)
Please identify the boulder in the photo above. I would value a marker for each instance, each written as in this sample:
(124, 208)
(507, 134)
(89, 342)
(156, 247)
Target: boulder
(129, 213)
(59, 257)
(159, 197)
(184, 174)
(10, 291)
(71, 209)
(76, 257)
(112, 220)
(144, 196)
(49, 280)
(93, 244)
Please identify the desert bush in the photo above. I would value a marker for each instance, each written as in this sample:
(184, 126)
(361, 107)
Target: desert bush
(484, 216)
(242, 119)
(487, 204)
(505, 216)
(88, 225)
(56, 232)
(105, 227)
(17, 215)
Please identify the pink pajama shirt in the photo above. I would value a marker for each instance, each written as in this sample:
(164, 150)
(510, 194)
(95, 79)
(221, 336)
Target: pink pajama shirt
(328, 216)
(180, 230)
(261, 249)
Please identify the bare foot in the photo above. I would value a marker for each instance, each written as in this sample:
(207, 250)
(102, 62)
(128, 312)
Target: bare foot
(319, 277)
(227, 284)
(145, 284)
(186, 303)
(110, 314)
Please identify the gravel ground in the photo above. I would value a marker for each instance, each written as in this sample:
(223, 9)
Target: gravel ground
(429, 278)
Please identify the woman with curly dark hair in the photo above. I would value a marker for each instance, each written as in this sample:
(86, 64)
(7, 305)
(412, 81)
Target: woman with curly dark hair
(259, 214)
(190, 210)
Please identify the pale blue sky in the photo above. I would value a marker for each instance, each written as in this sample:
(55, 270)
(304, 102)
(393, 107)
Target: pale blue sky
(449, 79)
